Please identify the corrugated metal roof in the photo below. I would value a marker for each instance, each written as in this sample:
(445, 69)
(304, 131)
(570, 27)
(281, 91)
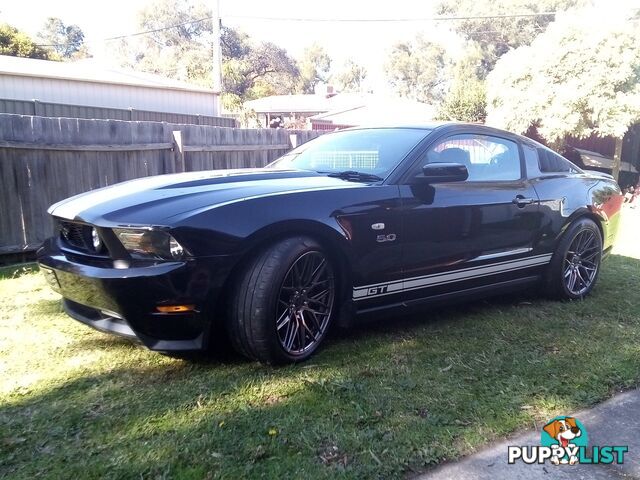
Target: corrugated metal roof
(90, 71)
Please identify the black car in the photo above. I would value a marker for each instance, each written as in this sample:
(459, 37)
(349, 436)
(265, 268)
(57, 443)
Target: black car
(356, 222)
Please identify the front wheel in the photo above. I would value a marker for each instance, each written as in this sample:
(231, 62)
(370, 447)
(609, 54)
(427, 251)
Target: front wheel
(283, 302)
(575, 265)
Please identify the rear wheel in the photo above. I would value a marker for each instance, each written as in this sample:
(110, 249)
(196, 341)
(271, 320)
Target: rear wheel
(283, 302)
(575, 266)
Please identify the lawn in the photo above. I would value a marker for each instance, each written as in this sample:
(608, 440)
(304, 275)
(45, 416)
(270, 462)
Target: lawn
(383, 400)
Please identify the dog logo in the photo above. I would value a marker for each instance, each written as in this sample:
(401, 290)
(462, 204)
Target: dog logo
(564, 441)
(566, 433)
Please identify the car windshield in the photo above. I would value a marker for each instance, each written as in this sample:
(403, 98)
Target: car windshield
(375, 151)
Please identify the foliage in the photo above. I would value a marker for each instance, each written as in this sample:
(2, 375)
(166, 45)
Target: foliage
(351, 77)
(313, 68)
(66, 40)
(265, 65)
(418, 70)
(380, 401)
(18, 44)
(580, 77)
(466, 100)
(497, 36)
(182, 52)
(185, 52)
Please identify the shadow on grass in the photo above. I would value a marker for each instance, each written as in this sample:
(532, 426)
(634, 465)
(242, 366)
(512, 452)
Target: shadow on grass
(15, 271)
(383, 400)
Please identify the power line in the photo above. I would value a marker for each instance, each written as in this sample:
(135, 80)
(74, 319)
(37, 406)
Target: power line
(137, 34)
(384, 20)
(325, 20)
(320, 20)
(191, 22)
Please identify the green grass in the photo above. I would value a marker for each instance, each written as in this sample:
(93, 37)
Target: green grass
(382, 401)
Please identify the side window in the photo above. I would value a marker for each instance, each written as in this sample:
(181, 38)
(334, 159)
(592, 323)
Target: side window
(551, 162)
(487, 158)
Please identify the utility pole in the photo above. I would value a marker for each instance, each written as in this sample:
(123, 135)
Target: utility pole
(217, 55)
(617, 158)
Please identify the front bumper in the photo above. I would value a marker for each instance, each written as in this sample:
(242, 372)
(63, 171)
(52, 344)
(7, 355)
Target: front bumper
(124, 301)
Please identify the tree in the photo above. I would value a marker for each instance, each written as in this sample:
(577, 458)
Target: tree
(18, 44)
(264, 62)
(497, 35)
(466, 100)
(580, 77)
(180, 46)
(66, 40)
(418, 70)
(313, 68)
(351, 77)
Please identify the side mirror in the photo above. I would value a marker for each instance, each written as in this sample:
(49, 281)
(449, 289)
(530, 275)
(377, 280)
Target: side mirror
(442, 173)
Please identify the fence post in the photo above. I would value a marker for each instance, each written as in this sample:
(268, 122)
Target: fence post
(293, 138)
(178, 149)
(36, 110)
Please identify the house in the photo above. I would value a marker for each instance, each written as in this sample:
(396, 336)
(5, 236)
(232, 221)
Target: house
(89, 90)
(329, 110)
(374, 110)
(291, 109)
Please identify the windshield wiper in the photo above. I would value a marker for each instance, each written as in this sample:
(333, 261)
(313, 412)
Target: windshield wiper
(354, 176)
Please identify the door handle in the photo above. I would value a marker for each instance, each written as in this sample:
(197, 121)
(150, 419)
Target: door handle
(522, 202)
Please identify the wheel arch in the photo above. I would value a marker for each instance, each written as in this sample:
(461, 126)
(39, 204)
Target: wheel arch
(585, 212)
(328, 236)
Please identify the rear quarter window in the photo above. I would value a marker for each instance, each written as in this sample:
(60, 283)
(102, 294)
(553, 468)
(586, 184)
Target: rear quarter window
(551, 162)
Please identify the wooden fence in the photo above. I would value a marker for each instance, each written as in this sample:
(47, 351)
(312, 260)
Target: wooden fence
(49, 109)
(44, 160)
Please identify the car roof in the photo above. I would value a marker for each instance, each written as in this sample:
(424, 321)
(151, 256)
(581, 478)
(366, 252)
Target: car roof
(445, 126)
(418, 126)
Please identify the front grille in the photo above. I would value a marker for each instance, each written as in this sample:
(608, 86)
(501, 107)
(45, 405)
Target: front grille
(78, 237)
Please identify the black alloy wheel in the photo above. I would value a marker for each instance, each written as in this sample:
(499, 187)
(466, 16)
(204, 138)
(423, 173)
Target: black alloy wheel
(582, 261)
(305, 303)
(283, 302)
(575, 265)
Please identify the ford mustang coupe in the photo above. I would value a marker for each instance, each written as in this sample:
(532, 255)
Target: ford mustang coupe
(355, 222)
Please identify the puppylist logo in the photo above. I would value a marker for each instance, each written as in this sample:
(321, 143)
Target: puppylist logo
(564, 441)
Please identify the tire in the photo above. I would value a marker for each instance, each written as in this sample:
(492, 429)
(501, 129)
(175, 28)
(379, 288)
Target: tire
(574, 267)
(283, 302)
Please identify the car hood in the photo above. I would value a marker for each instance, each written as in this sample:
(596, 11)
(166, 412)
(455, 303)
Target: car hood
(155, 200)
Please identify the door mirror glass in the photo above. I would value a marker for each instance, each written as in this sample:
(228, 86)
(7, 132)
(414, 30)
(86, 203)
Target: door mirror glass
(443, 172)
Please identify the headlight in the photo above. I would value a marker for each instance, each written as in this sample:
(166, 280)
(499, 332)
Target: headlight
(150, 243)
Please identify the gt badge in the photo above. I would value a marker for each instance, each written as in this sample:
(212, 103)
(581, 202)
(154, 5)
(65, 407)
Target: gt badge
(377, 226)
(386, 238)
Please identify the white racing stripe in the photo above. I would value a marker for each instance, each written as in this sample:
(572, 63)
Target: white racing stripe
(442, 278)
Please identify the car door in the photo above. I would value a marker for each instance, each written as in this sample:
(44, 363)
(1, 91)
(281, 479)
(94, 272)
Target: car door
(461, 235)
(373, 224)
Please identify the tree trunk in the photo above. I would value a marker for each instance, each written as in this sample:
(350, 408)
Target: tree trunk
(617, 158)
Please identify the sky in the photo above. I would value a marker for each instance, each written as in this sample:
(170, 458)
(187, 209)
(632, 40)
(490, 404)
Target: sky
(366, 42)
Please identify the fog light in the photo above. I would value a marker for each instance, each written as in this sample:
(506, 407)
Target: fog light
(95, 240)
(175, 308)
